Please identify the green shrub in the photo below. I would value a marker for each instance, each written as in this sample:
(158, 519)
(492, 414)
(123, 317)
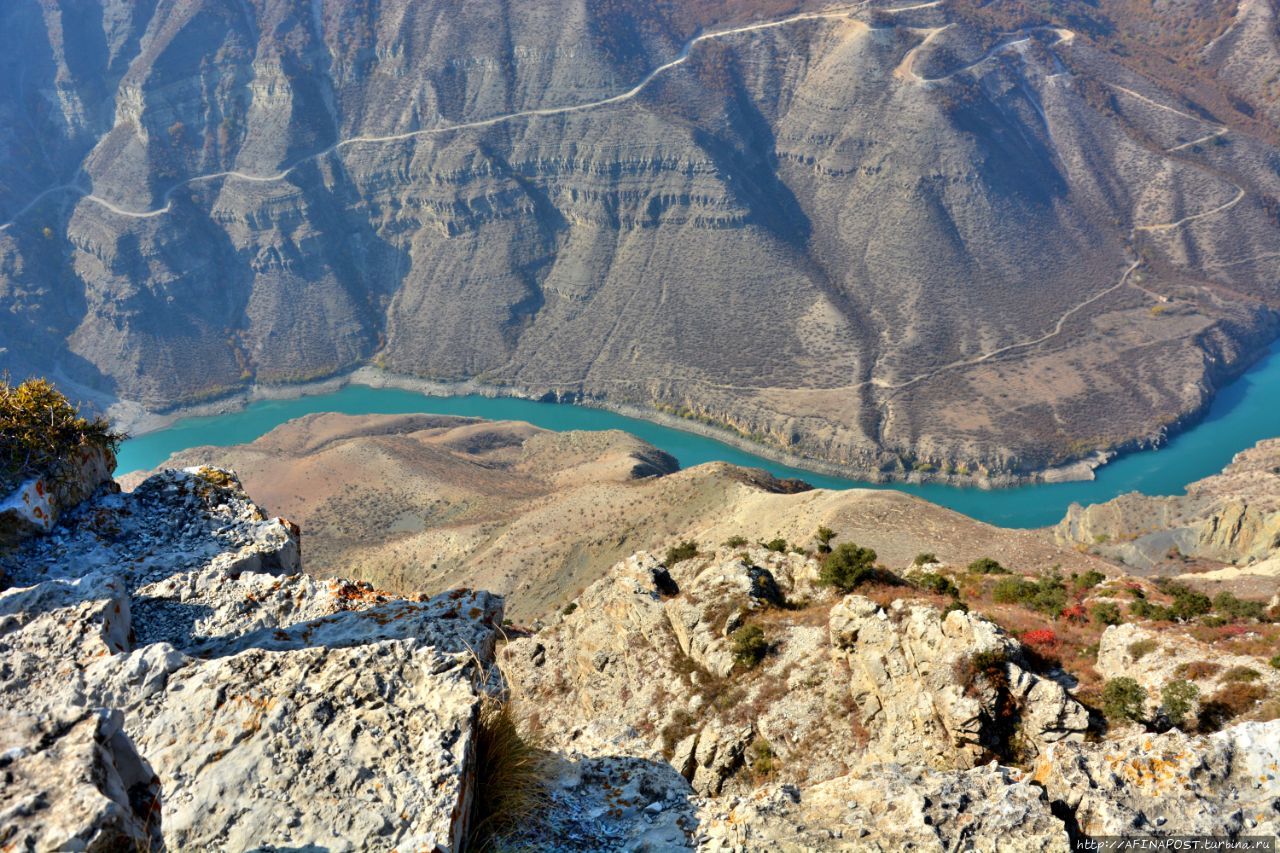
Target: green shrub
(925, 559)
(936, 583)
(955, 605)
(1088, 580)
(777, 545)
(1275, 662)
(569, 608)
(991, 665)
(1177, 698)
(987, 566)
(40, 429)
(1144, 609)
(824, 537)
(1107, 613)
(1187, 603)
(1046, 594)
(679, 553)
(1241, 674)
(1122, 699)
(763, 760)
(749, 645)
(1228, 605)
(848, 567)
(1141, 648)
(735, 542)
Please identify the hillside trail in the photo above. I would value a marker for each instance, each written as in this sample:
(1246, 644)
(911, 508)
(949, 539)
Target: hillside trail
(905, 69)
(681, 58)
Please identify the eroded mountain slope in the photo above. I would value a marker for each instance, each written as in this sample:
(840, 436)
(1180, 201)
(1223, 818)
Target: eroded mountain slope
(888, 237)
(423, 502)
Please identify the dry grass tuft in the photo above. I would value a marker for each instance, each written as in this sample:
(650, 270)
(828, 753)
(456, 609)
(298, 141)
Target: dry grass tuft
(510, 787)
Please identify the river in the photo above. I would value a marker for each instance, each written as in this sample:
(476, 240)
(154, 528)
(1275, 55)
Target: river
(1243, 413)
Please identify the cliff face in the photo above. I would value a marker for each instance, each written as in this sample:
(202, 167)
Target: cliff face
(884, 239)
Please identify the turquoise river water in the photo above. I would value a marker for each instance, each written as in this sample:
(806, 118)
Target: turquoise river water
(1244, 412)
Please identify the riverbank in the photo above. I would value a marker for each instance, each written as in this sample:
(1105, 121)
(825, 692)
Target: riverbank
(136, 420)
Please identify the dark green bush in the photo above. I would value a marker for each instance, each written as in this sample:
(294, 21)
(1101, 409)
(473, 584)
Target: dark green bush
(749, 645)
(1228, 605)
(934, 582)
(1123, 699)
(1088, 580)
(1047, 593)
(735, 542)
(955, 605)
(1107, 613)
(848, 567)
(1177, 698)
(777, 545)
(1144, 609)
(925, 559)
(679, 553)
(987, 566)
(1187, 603)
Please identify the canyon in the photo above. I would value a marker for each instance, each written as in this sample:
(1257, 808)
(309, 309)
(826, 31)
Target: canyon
(931, 237)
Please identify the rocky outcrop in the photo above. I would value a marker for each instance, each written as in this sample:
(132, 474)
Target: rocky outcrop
(1226, 784)
(75, 781)
(35, 506)
(168, 635)
(946, 692)
(1231, 517)
(647, 659)
(1154, 660)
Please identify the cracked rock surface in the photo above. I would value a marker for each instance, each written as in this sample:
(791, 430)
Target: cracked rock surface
(170, 678)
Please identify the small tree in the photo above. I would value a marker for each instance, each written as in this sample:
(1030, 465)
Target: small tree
(848, 567)
(1123, 698)
(1088, 580)
(987, 566)
(749, 645)
(1177, 698)
(1107, 613)
(824, 537)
